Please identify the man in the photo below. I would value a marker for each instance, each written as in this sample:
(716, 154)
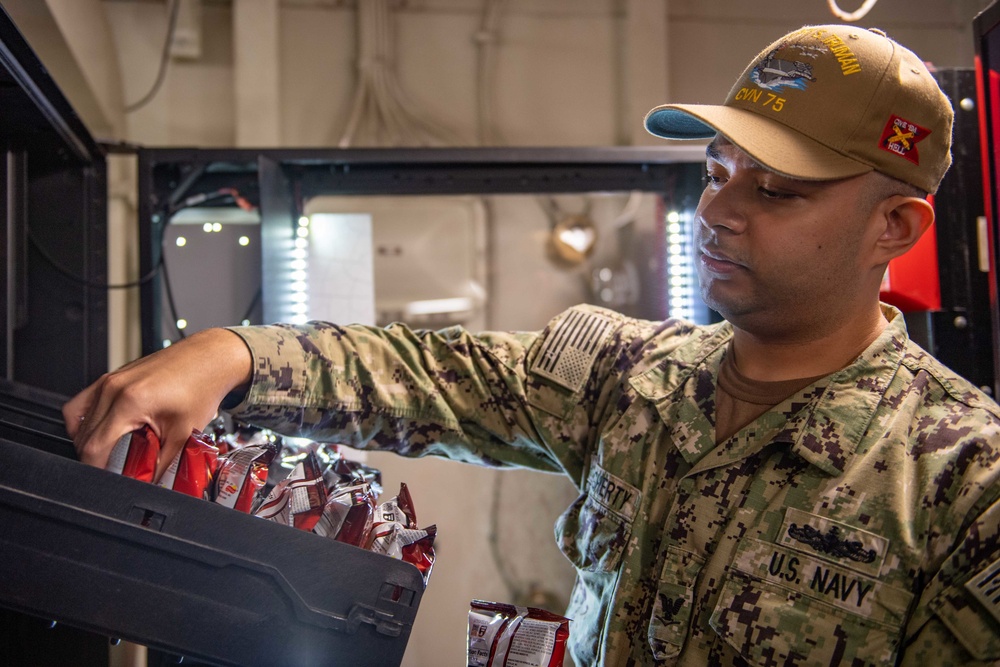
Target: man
(798, 486)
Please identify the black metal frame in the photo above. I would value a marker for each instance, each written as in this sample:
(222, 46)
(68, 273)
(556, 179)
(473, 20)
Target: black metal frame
(53, 215)
(279, 180)
(984, 27)
(962, 332)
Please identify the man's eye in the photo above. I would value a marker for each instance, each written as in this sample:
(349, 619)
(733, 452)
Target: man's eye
(711, 179)
(771, 194)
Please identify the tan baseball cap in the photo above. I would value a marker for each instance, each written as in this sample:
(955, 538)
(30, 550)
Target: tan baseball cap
(827, 102)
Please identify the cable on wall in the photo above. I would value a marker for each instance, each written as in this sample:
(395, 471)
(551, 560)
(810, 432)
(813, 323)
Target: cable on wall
(84, 281)
(161, 71)
(856, 15)
(380, 104)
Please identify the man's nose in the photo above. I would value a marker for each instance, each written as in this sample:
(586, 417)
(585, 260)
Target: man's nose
(724, 207)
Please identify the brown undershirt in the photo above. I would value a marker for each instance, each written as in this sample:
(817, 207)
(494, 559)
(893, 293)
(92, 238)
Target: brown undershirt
(739, 400)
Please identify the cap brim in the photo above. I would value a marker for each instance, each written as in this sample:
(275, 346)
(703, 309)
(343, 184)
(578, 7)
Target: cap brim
(775, 146)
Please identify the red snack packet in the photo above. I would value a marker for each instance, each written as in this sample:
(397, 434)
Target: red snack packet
(299, 499)
(217, 430)
(192, 470)
(135, 455)
(338, 505)
(420, 552)
(395, 512)
(395, 533)
(360, 517)
(502, 635)
(242, 474)
(346, 472)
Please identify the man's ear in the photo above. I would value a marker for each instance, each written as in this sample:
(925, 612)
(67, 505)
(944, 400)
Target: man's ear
(903, 220)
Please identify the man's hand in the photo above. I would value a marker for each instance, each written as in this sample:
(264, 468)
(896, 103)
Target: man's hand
(174, 390)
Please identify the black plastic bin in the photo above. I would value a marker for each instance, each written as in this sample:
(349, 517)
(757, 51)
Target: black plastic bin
(127, 559)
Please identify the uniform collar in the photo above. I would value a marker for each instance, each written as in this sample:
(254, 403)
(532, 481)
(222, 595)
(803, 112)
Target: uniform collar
(823, 423)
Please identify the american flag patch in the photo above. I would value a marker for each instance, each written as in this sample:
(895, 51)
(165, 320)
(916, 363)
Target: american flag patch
(986, 587)
(569, 351)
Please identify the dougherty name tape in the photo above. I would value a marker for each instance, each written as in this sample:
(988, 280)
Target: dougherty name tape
(613, 493)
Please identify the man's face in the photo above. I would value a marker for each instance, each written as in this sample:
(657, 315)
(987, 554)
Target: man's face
(779, 256)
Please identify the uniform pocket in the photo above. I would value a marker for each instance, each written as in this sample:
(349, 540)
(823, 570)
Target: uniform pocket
(591, 537)
(594, 530)
(668, 626)
(780, 606)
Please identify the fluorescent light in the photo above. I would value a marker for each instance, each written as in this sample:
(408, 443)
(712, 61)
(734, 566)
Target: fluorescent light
(434, 306)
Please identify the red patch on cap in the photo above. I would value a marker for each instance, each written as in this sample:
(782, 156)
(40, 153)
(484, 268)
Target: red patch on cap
(901, 137)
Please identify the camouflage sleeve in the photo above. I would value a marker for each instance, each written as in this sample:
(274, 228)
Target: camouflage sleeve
(472, 398)
(957, 619)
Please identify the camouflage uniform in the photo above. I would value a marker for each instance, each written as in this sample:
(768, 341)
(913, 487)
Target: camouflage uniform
(854, 523)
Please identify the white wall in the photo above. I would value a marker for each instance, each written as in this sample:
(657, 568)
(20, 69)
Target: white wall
(559, 81)
(558, 75)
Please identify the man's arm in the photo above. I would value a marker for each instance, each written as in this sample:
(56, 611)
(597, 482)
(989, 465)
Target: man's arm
(473, 398)
(445, 393)
(957, 620)
(173, 390)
